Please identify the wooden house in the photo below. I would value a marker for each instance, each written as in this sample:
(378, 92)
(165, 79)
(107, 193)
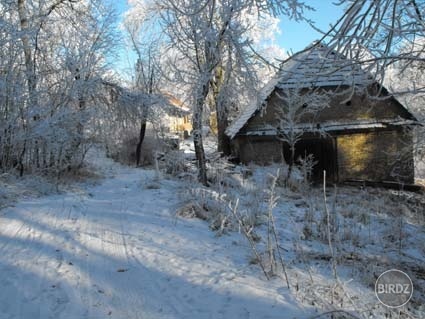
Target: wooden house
(177, 118)
(365, 133)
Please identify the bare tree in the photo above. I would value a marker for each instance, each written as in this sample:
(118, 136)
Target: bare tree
(147, 72)
(297, 115)
(379, 33)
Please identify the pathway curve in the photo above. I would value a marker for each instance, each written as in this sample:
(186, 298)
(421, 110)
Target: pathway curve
(116, 251)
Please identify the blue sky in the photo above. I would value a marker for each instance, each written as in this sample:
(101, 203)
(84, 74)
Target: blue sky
(293, 37)
(296, 36)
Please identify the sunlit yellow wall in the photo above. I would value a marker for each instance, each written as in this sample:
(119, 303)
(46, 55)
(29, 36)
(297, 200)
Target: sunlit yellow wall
(373, 156)
(180, 124)
(355, 154)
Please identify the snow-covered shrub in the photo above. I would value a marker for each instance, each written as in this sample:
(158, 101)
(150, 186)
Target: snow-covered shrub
(299, 179)
(308, 224)
(305, 166)
(175, 163)
(214, 206)
(219, 170)
(125, 151)
(192, 210)
(152, 184)
(13, 188)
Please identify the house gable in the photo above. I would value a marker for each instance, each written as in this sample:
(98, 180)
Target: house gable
(357, 100)
(346, 109)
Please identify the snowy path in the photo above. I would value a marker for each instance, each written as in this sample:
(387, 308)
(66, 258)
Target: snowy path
(117, 252)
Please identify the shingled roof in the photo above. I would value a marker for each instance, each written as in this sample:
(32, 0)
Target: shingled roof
(316, 66)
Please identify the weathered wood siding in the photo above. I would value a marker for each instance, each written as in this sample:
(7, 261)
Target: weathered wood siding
(375, 156)
(360, 107)
(372, 155)
(259, 149)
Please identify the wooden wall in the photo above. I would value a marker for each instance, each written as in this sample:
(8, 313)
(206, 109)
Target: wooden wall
(261, 150)
(376, 156)
(344, 108)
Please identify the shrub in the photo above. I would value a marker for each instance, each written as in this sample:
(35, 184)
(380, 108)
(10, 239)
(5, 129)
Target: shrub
(125, 151)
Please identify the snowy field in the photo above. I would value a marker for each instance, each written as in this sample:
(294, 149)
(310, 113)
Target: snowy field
(115, 251)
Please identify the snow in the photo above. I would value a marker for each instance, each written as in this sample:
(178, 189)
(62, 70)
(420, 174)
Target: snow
(252, 107)
(375, 230)
(319, 66)
(116, 250)
(333, 126)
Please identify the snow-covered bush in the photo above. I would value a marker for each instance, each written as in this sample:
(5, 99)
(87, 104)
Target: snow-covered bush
(50, 83)
(175, 163)
(124, 151)
(209, 205)
(220, 171)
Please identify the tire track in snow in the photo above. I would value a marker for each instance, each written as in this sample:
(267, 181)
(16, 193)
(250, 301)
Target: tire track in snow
(168, 270)
(151, 287)
(85, 284)
(161, 286)
(33, 258)
(127, 295)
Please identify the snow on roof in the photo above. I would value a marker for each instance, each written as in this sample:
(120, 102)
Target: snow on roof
(334, 126)
(316, 66)
(319, 66)
(175, 105)
(252, 107)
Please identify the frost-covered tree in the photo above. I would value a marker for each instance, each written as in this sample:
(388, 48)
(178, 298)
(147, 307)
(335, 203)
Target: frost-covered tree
(123, 116)
(213, 39)
(380, 33)
(296, 117)
(406, 79)
(52, 63)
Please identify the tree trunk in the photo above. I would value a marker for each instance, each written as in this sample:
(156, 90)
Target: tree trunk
(29, 63)
(139, 144)
(21, 159)
(223, 139)
(291, 162)
(81, 108)
(30, 74)
(197, 133)
(200, 157)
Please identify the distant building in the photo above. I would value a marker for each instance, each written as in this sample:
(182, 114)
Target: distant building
(177, 119)
(367, 131)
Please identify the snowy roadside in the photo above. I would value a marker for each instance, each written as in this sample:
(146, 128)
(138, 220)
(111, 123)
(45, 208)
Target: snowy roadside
(371, 230)
(116, 250)
(14, 188)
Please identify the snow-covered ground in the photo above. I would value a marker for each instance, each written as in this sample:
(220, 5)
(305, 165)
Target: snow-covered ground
(115, 250)
(372, 230)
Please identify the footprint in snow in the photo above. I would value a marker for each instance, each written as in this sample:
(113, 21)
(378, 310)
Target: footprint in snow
(122, 270)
